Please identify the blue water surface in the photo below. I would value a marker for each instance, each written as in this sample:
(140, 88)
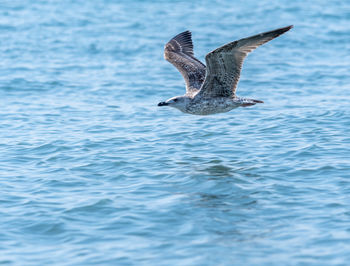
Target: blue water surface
(92, 172)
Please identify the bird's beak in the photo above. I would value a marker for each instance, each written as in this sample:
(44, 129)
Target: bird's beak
(163, 104)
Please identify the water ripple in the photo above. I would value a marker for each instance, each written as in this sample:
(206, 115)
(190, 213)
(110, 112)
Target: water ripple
(94, 172)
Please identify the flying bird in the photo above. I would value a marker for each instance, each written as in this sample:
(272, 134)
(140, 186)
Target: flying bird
(211, 88)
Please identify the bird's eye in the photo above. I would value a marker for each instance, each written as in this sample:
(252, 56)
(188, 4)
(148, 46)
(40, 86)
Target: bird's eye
(175, 100)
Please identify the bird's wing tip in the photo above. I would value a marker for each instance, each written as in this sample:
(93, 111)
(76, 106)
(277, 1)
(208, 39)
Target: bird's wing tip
(289, 27)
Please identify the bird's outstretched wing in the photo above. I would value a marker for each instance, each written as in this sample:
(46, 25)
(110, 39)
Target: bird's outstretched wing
(224, 64)
(179, 52)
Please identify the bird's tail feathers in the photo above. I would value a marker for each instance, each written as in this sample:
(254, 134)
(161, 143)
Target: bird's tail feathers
(256, 101)
(249, 102)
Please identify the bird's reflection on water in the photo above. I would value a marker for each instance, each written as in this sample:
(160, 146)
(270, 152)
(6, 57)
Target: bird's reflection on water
(228, 202)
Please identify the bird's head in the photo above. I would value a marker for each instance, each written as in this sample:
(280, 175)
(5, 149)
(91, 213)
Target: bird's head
(178, 102)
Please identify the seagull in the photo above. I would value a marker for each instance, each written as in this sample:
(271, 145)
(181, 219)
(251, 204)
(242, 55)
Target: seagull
(211, 89)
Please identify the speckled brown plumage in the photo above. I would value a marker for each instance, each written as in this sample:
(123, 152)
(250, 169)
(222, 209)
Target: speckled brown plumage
(211, 89)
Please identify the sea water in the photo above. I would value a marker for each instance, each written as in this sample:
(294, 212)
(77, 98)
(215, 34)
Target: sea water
(92, 172)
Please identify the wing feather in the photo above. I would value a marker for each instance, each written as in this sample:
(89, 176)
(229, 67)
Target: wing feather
(224, 64)
(179, 52)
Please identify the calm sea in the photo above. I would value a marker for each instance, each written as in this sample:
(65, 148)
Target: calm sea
(92, 172)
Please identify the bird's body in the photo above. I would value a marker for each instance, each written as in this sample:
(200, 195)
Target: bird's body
(208, 106)
(211, 89)
(197, 105)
